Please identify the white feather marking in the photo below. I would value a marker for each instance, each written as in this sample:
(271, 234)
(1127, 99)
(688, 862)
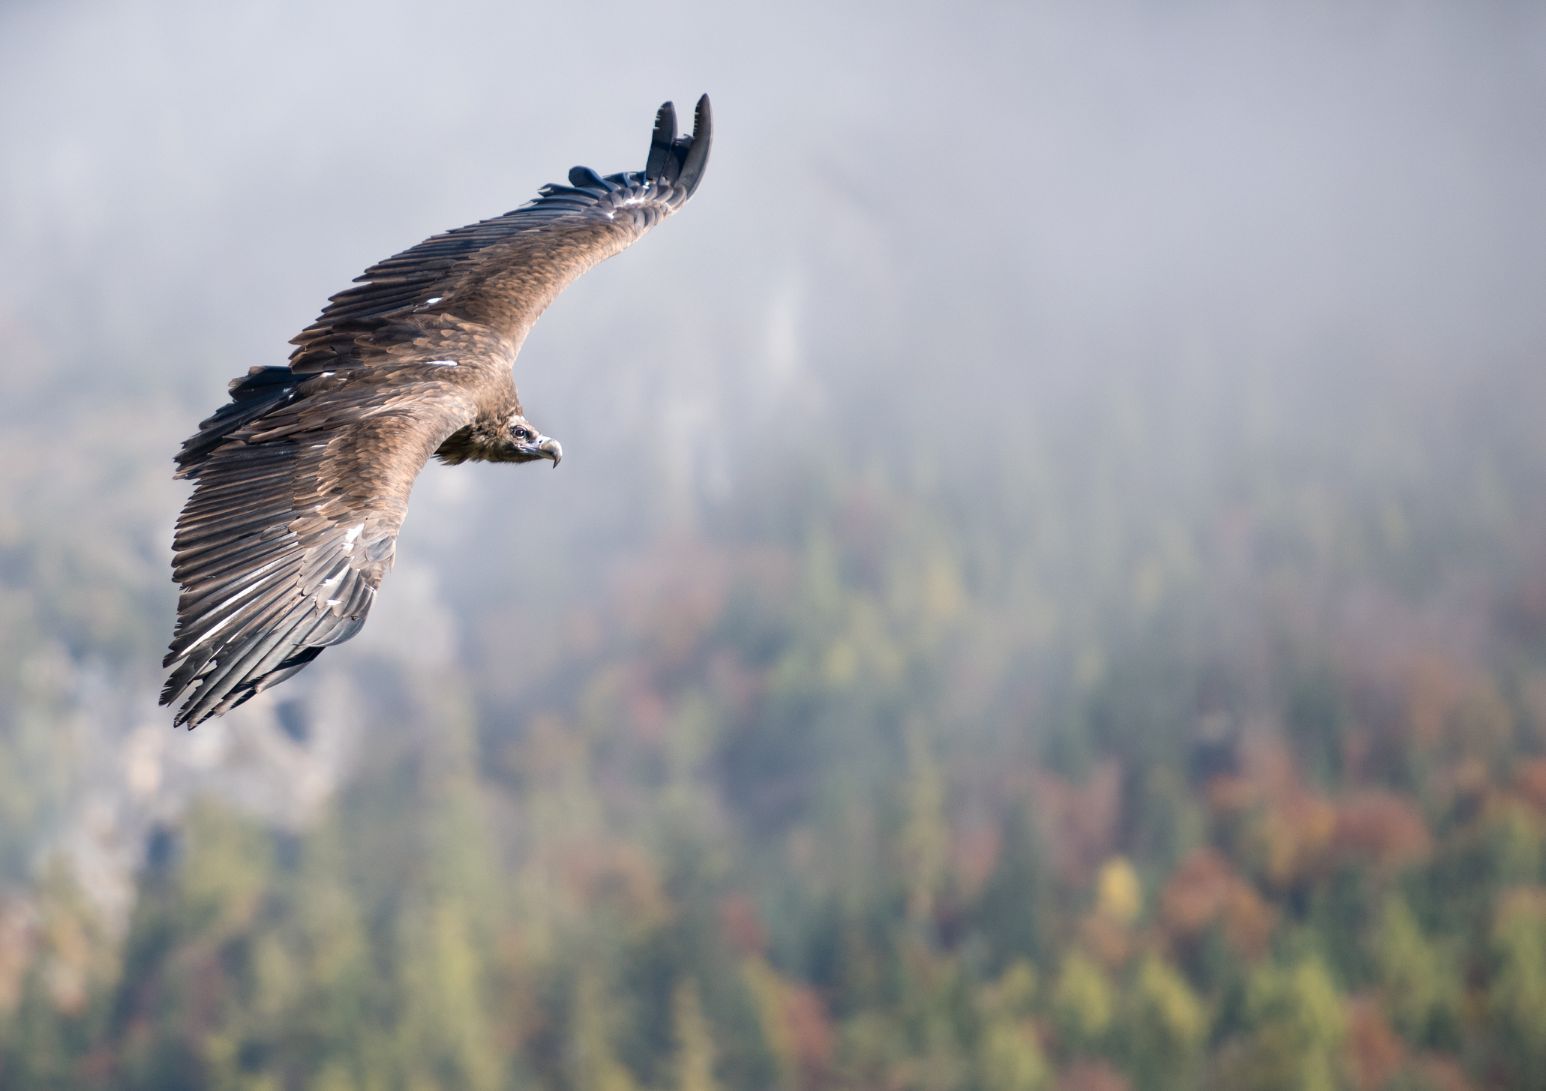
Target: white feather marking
(351, 537)
(433, 299)
(327, 374)
(334, 602)
(441, 363)
(238, 596)
(224, 622)
(255, 582)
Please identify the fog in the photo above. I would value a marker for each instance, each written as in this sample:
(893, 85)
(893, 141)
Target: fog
(921, 222)
(1057, 282)
(955, 193)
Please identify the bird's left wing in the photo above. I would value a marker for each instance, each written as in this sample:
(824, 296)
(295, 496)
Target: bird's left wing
(302, 484)
(502, 272)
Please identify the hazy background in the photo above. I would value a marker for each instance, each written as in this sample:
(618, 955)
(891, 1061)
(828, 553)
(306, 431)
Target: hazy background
(1068, 458)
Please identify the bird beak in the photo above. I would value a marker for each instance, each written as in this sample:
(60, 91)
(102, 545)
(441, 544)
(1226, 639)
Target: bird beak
(550, 448)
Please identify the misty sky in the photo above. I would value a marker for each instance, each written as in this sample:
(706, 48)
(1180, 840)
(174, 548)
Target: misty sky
(923, 229)
(976, 178)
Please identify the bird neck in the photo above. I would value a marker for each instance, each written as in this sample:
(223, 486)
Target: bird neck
(484, 440)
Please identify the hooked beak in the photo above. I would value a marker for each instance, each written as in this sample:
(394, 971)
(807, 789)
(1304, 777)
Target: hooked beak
(550, 448)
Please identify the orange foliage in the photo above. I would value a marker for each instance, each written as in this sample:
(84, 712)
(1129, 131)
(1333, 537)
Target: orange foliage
(1205, 889)
(1433, 687)
(1109, 941)
(1291, 828)
(647, 711)
(1383, 831)
(741, 924)
(1295, 838)
(1375, 1053)
(1530, 782)
(1444, 1074)
(1483, 722)
(1092, 1076)
(694, 591)
(1229, 794)
(1248, 920)
(1533, 694)
(1464, 785)
(617, 873)
(1195, 893)
(1272, 767)
(1079, 822)
(18, 940)
(678, 594)
(974, 855)
(1107, 931)
(1522, 902)
(1433, 700)
(810, 1031)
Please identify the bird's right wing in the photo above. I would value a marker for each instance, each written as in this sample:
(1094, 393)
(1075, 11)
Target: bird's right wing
(302, 484)
(501, 273)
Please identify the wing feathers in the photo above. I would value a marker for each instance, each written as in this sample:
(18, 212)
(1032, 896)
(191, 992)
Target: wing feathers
(302, 479)
(503, 271)
(661, 140)
(583, 178)
(227, 681)
(291, 527)
(696, 154)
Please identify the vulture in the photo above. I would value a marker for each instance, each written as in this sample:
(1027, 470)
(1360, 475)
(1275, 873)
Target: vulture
(301, 480)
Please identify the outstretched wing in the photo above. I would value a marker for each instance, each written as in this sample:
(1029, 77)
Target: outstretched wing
(502, 272)
(302, 485)
(303, 477)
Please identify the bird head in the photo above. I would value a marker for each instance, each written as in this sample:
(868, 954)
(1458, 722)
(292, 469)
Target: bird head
(528, 445)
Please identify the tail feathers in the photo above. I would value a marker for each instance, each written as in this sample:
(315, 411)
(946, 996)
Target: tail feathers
(251, 396)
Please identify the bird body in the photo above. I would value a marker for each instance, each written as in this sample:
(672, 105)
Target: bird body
(303, 477)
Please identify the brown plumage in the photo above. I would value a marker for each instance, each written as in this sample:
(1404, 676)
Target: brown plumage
(303, 477)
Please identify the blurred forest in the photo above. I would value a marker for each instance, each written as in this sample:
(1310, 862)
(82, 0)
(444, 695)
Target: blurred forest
(1077, 622)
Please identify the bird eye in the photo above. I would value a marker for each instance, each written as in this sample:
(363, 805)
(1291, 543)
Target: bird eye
(521, 432)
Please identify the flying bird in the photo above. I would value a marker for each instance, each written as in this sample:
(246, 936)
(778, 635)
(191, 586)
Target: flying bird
(302, 478)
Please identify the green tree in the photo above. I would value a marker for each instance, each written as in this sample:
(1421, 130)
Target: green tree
(924, 843)
(1296, 1025)
(1083, 1002)
(1164, 1027)
(1010, 1058)
(592, 1062)
(1516, 995)
(443, 988)
(1009, 1053)
(1417, 980)
(693, 1062)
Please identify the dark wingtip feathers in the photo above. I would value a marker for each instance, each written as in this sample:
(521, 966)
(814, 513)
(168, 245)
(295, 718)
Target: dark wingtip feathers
(679, 160)
(661, 141)
(697, 146)
(585, 178)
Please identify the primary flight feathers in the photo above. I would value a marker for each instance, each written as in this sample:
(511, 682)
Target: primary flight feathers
(302, 478)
